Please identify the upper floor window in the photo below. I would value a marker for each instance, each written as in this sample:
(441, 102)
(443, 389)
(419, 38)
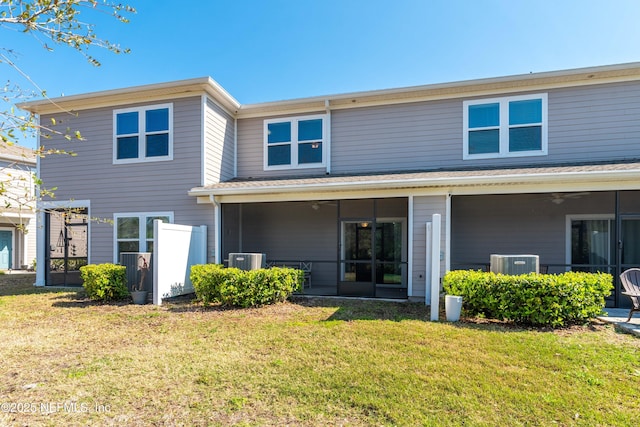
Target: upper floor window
(298, 142)
(143, 134)
(505, 127)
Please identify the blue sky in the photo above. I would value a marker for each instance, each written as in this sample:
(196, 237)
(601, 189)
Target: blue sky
(268, 50)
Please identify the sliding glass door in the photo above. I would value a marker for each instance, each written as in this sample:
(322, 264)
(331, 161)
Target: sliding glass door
(371, 258)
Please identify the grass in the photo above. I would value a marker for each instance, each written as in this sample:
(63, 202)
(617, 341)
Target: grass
(316, 362)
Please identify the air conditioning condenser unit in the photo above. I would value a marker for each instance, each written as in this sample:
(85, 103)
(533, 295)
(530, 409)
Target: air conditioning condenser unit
(247, 261)
(515, 264)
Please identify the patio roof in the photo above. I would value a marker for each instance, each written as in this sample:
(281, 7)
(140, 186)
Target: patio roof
(621, 175)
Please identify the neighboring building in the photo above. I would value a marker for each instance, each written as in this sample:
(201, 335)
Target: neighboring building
(545, 163)
(17, 207)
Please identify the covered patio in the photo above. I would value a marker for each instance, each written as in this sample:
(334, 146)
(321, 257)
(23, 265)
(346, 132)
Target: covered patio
(570, 231)
(355, 247)
(575, 217)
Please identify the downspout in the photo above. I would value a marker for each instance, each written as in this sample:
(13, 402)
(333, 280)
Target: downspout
(410, 248)
(203, 142)
(447, 236)
(217, 227)
(619, 248)
(328, 128)
(235, 147)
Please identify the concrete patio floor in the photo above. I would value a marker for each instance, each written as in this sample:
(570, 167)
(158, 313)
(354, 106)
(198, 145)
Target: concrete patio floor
(618, 317)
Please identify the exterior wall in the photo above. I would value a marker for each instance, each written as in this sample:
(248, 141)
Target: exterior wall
(400, 137)
(136, 187)
(591, 123)
(20, 213)
(218, 144)
(423, 209)
(29, 239)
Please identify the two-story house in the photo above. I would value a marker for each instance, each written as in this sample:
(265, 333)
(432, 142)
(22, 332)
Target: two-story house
(545, 163)
(17, 207)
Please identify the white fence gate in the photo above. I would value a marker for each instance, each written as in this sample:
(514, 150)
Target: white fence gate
(176, 249)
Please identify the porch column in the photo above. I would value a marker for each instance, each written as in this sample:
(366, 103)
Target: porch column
(40, 247)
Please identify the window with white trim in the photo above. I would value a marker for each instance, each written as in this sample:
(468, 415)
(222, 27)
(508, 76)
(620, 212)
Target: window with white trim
(505, 127)
(143, 134)
(295, 142)
(134, 231)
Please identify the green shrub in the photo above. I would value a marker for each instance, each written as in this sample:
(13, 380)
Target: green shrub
(230, 286)
(536, 299)
(104, 281)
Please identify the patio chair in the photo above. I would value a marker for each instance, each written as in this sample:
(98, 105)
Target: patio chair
(631, 282)
(306, 268)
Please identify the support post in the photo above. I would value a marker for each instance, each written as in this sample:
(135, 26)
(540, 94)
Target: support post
(436, 222)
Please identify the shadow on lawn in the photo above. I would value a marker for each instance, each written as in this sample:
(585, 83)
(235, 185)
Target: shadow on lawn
(22, 284)
(358, 309)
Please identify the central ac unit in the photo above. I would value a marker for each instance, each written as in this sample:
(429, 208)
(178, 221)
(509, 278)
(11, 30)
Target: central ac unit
(247, 261)
(515, 264)
(135, 263)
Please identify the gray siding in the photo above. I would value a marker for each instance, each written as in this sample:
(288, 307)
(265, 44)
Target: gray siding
(218, 144)
(423, 210)
(402, 137)
(137, 187)
(584, 124)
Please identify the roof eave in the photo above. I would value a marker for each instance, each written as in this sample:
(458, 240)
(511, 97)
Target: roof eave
(466, 88)
(145, 93)
(595, 180)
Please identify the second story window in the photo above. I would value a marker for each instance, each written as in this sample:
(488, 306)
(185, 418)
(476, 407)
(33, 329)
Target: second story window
(143, 134)
(505, 127)
(298, 142)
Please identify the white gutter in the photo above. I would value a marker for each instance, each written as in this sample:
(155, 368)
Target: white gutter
(328, 129)
(235, 147)
(203, 142)
(32, 161)
(410, 248)
(447, 234)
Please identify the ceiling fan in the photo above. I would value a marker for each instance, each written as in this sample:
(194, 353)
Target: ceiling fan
(558, 198)
(315, 205)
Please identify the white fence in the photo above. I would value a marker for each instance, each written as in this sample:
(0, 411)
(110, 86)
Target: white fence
(177, 248)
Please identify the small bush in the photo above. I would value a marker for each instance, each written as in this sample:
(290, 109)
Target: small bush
(104, 281)
(230, 286)
(536, 299)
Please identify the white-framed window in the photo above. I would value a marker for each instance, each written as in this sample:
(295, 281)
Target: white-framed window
(133, 232)
(512, 126)
(295, 142)
(143, 134)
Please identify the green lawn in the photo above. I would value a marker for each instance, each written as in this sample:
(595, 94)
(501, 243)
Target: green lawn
(67, 361)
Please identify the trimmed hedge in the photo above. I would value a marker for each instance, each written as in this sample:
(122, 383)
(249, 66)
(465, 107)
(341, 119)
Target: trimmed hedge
(231, 286)
(536, 299)
(104, 281)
